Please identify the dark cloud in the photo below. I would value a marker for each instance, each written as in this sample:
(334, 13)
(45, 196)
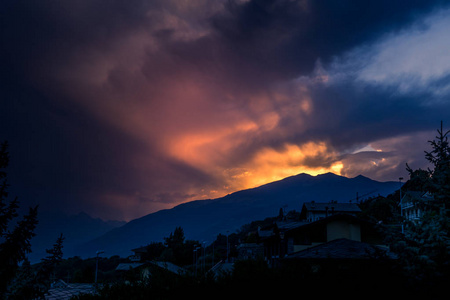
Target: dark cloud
(289, 36)
(123, 108)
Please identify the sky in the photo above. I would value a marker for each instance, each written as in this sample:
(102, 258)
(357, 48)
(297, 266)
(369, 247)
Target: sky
(123, 108)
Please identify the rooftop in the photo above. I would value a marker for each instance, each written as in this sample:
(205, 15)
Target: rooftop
(62, 290)
(340, 249)
(324, 206)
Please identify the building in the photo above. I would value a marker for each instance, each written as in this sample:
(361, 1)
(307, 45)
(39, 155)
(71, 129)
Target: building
(250, 251)
(143, 271)
(341, 249)
(62, 290)
(414, 204)
(139, 254)
(344, 266)
(298, 236)
(313, 211)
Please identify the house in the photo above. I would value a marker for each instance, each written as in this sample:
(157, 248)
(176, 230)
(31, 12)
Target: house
(343, 266)
(414, 203)
(220, 269)
(313, 211)
(250, 251)
(139, 254)
(168, 266)
(62, 290)
(143, 271)
(340, 249)
(297, 236)
(128, 266)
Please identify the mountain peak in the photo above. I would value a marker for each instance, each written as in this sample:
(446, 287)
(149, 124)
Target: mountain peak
(362, 177)
(329, 175)
(204, 220)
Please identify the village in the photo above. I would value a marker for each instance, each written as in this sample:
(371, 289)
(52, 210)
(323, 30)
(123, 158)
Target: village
(327, 240)
(395, 245)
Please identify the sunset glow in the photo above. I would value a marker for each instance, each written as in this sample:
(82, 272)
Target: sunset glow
(120, 109)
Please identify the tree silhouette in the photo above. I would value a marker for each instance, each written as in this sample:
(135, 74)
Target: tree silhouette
(15, 240)
(439, 156)
(424, 249)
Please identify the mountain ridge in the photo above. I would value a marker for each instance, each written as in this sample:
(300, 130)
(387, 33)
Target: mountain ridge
(76, 229)
(204, 219)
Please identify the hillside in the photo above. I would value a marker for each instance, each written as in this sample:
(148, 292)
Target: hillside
(203, 219)
(76, 229)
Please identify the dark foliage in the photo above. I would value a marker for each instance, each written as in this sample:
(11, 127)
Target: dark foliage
(424, 246)
(381, 209)
(14, 240)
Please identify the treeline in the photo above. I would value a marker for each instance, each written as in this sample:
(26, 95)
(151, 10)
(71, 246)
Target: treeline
(178, 250)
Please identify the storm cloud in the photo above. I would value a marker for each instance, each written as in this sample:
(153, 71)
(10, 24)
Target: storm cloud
(123, 108)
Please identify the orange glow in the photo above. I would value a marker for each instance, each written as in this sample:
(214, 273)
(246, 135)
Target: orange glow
(270, 165)
(204, 149)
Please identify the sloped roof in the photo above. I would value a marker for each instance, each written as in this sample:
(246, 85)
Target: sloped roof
(221, 268)
(127, 266)
(63, 290)
(339, 249)
(287, 225)
(142, 249)
(294, 227)
(169, 266)
(332, 206)
(417, 195)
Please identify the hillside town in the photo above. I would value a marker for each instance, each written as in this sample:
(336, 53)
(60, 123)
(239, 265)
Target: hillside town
(345, 239)
(398, 244)
(224, 149)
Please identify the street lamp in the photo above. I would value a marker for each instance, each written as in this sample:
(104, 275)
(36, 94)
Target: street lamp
(96, 264)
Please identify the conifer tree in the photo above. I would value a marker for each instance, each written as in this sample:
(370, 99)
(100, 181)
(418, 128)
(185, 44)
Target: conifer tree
(424, 249)
(14, 240)
(34, 283)
(439, 156)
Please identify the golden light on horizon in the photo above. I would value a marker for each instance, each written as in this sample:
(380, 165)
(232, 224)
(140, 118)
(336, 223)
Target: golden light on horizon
(271, 165)
(267, 165)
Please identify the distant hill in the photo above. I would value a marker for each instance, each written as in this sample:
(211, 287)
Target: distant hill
(203, 220)
(77, 229)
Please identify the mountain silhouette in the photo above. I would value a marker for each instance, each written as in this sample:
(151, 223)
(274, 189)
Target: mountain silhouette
(203, 220)
(76, 229)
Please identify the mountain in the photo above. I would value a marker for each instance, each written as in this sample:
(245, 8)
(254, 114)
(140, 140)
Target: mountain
(203, 220)
(77, 229)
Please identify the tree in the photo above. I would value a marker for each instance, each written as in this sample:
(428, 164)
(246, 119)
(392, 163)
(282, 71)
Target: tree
(34, 283)
(424, 249)
(439, 156)
(55, 253)
(153, 251)
(15, 240)
(175, 239)
(381, 209)
(419, 180)
(24, 284)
